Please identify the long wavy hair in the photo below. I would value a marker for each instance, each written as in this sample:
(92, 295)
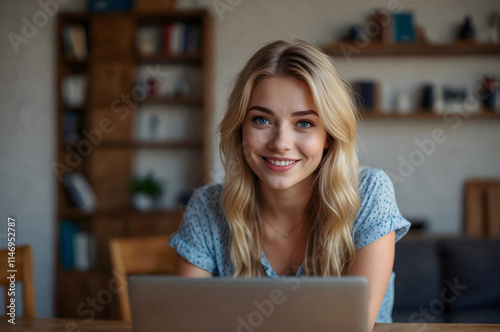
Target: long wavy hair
(335, 201)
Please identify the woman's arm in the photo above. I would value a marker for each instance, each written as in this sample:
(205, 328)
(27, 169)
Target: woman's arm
(185, 269)
(375, 262)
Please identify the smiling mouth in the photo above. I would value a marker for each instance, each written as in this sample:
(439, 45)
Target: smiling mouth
(280, 163)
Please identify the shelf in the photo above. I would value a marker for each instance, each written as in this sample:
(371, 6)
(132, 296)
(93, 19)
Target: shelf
(166, 59)
(80, 108)
(87, 273)
(153, 145)
(74, 213)
(348, 49)
(428, 115)
(154, 17)
(173, 100)
(75, 63)
(141, 145)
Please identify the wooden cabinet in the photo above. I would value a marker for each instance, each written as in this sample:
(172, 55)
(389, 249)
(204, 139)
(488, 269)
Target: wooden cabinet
(104, 96)
(428, 51)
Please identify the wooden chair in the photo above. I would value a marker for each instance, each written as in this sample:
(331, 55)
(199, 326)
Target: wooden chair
(482, 207)
(24, 273)
(139, 255)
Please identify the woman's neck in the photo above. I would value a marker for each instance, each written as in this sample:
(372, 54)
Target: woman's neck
(285, 208)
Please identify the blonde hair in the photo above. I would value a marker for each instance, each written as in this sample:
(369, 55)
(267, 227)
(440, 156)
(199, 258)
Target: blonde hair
(335, 200)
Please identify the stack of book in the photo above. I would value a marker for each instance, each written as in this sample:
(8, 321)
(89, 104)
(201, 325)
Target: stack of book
(173, 38)
(181, 38)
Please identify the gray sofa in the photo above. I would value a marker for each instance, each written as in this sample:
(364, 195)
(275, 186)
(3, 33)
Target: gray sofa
(447, 280)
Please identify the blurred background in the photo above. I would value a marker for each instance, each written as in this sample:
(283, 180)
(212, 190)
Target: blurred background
(109, 112)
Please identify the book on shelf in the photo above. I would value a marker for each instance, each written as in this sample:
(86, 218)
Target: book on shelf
(176, 39)
(74, 40)
(85, 251)
(78, 249)
(67, 231)
(80, 192)
(403, 27)
(70, 125)
(181, 38)
(74, 90)
(149, 40)
(367, 95)
(109, 5)
(193, 39)
(167, 28)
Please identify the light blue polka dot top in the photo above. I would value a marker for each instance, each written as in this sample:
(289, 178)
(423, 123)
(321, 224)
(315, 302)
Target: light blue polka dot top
(203, 236)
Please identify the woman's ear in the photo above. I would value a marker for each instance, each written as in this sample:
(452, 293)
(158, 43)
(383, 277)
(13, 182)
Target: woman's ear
(328, 142)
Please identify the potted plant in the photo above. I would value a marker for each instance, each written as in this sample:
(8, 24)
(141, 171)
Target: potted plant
(145, 192)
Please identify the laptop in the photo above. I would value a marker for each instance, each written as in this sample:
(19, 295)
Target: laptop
(290, 304)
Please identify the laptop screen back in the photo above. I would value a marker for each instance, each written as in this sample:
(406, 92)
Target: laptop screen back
(292, 304)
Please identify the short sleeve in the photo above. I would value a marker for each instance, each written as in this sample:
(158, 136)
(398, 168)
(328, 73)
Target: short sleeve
(193, 239)
(378, 214)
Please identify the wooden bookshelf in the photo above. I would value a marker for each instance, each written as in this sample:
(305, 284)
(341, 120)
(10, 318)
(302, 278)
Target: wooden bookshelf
(112, 69)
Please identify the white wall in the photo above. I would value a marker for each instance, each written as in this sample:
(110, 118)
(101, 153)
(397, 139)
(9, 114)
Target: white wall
(27, 141)
(433, 191)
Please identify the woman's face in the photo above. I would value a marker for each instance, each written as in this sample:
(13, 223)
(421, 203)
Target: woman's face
(283, 138)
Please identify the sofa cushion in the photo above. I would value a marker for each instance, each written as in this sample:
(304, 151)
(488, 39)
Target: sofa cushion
(419, 280)
(414, 316)
(472, 266)
(477, 316)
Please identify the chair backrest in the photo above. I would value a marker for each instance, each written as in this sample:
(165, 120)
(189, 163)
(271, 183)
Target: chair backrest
(23, 265)
(139, 255)
(482, 207)
(493, 196)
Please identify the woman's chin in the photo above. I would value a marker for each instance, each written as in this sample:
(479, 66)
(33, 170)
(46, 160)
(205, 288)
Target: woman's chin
(279, 185)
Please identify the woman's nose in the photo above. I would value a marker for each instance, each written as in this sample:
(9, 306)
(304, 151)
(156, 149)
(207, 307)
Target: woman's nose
(281, 138)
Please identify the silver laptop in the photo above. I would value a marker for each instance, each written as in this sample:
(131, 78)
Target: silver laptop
(292, 304)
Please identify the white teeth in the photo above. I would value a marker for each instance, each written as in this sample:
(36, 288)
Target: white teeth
(280, 163)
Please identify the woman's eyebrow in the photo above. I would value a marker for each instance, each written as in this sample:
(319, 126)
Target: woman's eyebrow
(294, 114)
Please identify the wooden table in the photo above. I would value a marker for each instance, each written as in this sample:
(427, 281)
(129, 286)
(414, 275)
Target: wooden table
(80, 325)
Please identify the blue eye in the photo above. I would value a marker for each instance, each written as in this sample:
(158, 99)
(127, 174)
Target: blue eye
(305, 124)
(261, 121)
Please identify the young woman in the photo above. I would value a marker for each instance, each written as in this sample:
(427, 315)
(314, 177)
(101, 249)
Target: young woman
(294, 200)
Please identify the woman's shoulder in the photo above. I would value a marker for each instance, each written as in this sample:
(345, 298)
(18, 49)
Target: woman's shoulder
(371, 178)
(370, 174)
(206, 199)
(206, 195)
(203, 208)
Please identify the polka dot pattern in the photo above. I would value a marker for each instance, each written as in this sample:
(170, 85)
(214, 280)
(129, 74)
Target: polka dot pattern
(203, 237)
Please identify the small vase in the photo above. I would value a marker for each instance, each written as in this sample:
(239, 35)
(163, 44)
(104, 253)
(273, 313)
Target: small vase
(467, 30)
(142, 202)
